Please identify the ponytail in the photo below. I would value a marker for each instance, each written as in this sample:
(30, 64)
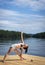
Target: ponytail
(26, 50)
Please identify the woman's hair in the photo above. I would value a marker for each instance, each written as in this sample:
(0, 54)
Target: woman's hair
(26, 49)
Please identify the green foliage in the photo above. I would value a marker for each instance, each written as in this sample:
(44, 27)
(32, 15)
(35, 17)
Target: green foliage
(39, 35)
(11, 35)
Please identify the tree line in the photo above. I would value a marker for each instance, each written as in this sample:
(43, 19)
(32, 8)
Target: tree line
(39, 35)
(12, 35)
(15, 35)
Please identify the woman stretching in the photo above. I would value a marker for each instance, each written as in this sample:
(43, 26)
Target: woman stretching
(15, 47)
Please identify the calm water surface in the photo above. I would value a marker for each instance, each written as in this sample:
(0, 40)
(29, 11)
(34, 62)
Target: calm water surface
(36, 46)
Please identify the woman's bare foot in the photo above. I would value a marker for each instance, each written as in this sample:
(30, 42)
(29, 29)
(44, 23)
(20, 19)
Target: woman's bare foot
(22, 59)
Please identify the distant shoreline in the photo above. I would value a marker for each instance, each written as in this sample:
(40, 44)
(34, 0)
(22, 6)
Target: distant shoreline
(12, 35)
(15, 35)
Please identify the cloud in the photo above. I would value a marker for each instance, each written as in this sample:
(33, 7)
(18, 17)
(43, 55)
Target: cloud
(4, 12)
(14, 20)
(33, 27)
(19, 17)
(32, 4)
(15, 14)
(11, 23)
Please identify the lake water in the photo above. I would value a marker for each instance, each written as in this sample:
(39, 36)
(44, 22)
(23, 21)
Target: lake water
(36, 46)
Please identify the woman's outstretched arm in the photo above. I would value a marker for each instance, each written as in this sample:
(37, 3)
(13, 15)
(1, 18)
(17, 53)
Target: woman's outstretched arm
(22, 40)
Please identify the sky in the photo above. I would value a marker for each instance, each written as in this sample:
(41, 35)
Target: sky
(27, 16)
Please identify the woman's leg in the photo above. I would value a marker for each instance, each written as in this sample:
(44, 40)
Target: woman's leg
(10, 49)
(19, 54)
(21, 57)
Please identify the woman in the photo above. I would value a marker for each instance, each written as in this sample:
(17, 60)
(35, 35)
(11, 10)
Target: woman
(15, 47)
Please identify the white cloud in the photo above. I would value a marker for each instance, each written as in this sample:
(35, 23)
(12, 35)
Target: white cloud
(12, 24)
(4, 12)
(13, 20)
(33, 27)
(33, 4)
(13, 14)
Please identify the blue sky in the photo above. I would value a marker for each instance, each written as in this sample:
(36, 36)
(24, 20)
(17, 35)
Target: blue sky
(22, 15)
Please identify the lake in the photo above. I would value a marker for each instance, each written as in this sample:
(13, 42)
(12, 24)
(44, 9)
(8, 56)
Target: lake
(36, 46)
